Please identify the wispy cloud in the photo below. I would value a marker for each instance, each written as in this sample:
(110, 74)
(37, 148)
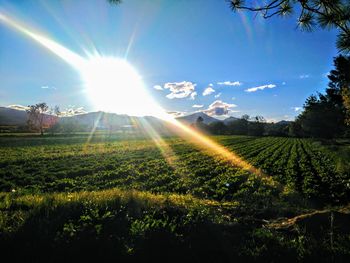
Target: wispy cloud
(209, 90)
(197, 106)
(284, 83)
(217, 95)
(219, 108)
(48, 87)
(304, 76)
(179, 90)
(157, 87)
(193, 95)
(230, 83)
(17, 107)
(296, 109)
(254, 89)
(176, 113)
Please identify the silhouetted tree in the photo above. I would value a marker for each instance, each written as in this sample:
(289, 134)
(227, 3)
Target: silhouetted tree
(245, 117)
(239, 127)
(217, 127)
(322, 117)
(200, 125)
(339, 85)
(295, 129)
(277, 129)
(326, 115)
(199, 120)
(52, 120)
(36, 116)
(256, 126)
(326, 14)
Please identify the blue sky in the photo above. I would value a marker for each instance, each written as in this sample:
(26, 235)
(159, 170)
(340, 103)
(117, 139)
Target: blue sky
(183, 46)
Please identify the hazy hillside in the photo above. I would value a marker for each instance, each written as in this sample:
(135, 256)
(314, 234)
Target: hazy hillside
(10, 116)
(230, 119)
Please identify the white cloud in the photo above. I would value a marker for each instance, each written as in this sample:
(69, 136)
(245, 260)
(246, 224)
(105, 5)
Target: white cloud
(157, 87)
(217, 95)
(208, 91)
(72, 110)
(48, 87)
(230, 83)
(17, 107)
(296, 109)
(304, 76)
(219, 108)
(193, 95)
(269, 86)
(179, 90)
(176, 113)
(284, 83)
(197, 106)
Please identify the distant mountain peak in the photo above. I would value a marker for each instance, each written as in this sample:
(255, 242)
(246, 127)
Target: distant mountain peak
(230, 119)
(283, 122)
(192, 118)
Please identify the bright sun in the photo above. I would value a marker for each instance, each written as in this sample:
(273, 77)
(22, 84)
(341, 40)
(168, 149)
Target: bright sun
(113, 85)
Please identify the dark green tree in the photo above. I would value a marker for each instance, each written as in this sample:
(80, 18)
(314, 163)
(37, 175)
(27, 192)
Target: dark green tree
(321, 117)
(217, 127)
(256, 127)
(328, 115)
(339, 85)
(277, 129)
(239, 127)
(295, 129)
(326, 14)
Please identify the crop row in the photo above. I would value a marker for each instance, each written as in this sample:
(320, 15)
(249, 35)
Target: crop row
(183, 169)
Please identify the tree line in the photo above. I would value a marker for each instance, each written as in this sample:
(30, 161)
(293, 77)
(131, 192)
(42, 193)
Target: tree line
(41, 118)
(324, 115)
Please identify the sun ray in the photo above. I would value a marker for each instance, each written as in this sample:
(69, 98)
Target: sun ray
(94, 127)
(164, 148)
(87, 68)
(131, 42)
(64, 53)
(213, 147)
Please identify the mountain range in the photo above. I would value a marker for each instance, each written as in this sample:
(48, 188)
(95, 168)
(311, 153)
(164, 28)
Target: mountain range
(16, 117)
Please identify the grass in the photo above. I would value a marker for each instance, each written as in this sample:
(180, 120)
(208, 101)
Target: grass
(115, 199)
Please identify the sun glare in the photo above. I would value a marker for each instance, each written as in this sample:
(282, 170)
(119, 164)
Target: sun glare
(113, 85)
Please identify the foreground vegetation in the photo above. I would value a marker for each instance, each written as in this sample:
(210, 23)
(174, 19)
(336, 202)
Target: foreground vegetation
(113, 198)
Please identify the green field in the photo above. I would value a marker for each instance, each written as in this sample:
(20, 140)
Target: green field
(129, 199)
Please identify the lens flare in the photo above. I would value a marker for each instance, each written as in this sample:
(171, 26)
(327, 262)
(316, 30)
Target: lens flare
(114, 85)
(59, 50)
(212, 147)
